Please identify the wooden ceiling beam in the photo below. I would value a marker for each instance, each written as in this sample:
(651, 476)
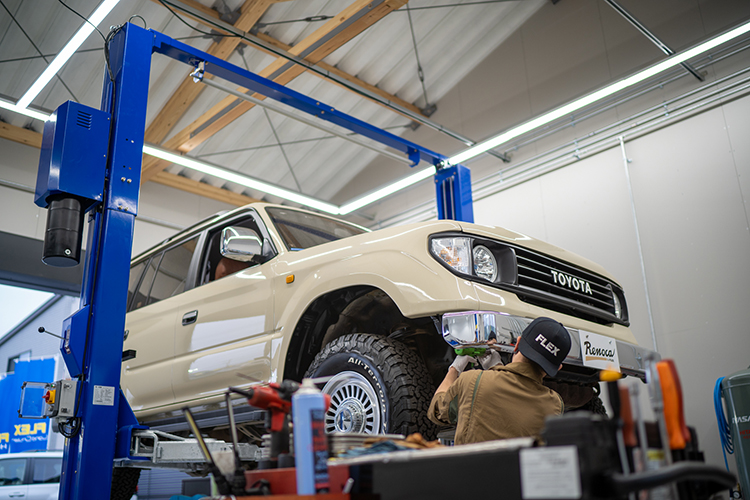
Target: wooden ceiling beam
(20, 135)
(322, 65)
(202, 189)
(250, 12)
(349, 23)
(34, 139)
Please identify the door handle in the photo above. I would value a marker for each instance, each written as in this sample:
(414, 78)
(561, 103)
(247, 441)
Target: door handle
(189, 318)
(17, 495)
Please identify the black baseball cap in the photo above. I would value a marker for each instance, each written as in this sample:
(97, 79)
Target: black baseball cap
(545, 342)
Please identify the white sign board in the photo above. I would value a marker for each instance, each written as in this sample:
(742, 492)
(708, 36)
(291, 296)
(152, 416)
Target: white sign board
(550, 473)
(104, 395)
(599, 351)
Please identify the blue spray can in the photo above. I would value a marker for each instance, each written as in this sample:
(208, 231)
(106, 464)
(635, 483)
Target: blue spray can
(310, 439)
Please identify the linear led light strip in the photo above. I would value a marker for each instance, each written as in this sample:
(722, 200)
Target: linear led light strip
(58, 62)
(428, 172)
(273, 190)
(539, 121)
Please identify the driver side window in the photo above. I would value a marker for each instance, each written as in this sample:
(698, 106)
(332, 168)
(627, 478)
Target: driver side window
(216, 266)
(12, 471)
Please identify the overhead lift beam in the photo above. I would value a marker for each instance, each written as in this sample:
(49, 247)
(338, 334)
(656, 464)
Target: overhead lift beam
(104, 177)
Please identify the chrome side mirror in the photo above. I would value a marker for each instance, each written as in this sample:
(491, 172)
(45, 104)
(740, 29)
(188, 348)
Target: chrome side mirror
(239, 243)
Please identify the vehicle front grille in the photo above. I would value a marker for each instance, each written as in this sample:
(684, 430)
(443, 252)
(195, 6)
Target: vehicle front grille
(557, 285)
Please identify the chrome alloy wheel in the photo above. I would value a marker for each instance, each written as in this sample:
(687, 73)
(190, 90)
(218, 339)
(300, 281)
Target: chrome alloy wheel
(354, 405)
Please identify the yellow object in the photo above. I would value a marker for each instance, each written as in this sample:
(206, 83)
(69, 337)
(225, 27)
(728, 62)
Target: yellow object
(290, 278)
(51, 398)
(609, 376)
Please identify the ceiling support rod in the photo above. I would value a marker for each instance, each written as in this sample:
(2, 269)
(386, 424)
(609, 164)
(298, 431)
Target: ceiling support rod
(645, 32)
(197, 76)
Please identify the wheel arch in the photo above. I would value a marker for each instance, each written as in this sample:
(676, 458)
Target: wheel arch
(361, 309)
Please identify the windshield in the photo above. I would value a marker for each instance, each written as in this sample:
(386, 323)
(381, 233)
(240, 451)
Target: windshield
(301, 230)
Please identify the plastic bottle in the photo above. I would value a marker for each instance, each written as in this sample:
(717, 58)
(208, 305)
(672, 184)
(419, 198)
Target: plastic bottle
(310, 440)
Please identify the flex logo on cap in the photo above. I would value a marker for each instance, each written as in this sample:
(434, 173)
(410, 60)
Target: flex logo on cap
(547, 344)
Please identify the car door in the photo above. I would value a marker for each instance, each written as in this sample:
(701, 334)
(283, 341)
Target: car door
(45, 478)
(225, 324)
(12, 478)
(150, 325)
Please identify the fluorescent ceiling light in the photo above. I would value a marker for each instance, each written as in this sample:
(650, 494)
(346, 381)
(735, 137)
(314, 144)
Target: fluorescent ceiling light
(58, 62)
(599, 94)
(24, 111)
(387, 190)
(285, 194)
(240, 179)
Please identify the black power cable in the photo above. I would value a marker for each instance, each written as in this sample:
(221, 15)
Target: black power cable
(420, 72)
(193, 27)
(79, 15)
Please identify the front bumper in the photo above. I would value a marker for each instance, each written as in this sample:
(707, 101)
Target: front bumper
(477, 328)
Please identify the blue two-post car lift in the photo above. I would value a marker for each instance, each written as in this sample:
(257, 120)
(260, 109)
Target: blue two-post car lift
(91, 164)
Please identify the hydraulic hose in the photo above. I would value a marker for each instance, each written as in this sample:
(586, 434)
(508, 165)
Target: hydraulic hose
(683, 471)
(727, 446)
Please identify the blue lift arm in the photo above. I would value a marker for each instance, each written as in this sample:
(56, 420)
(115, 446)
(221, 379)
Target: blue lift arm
(105, 190)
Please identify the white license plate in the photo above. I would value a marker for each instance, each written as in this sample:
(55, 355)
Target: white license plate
(599, 352)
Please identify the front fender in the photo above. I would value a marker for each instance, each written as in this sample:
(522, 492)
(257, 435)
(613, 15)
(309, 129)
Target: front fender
(419, 287)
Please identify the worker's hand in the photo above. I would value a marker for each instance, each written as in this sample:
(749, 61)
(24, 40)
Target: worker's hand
(461, 362)
(490, 359)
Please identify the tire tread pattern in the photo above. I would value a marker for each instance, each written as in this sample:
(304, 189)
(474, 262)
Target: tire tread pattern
(124, 482)
(405, 375)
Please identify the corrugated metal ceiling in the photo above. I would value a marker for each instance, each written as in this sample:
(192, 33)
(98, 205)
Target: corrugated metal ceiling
(451, 40)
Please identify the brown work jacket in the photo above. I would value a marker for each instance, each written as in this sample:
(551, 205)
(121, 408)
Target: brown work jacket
(502, 402)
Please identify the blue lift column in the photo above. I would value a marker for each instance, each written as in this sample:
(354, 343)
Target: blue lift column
(108, 192)
(453, 193)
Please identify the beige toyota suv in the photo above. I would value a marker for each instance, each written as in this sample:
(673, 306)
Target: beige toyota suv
(266, 293)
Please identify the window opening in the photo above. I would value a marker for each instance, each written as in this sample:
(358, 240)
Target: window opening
(173, 271)
(216, 266)
(24, 356)
(12, 471)
(46, 470)
(301, 230)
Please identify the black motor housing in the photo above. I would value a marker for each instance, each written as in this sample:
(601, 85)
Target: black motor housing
(64, 233)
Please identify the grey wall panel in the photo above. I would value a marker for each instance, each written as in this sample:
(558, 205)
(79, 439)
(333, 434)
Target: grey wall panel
(558, 72)
(19, 215)
(738, 129)
(693, 223)
(519, 209)
(697, 245)
(28, 338)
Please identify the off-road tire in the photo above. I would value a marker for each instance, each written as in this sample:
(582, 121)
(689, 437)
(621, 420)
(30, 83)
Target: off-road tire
(397, 375)
(124, 482)
(595, 406)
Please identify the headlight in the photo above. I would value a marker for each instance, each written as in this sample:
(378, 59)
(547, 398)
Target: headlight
(456, 252)
(485, 265)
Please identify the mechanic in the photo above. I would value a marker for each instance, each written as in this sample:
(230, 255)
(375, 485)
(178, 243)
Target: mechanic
(508, 401)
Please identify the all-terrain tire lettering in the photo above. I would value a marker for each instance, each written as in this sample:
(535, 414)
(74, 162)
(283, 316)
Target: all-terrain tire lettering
(406, 389)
